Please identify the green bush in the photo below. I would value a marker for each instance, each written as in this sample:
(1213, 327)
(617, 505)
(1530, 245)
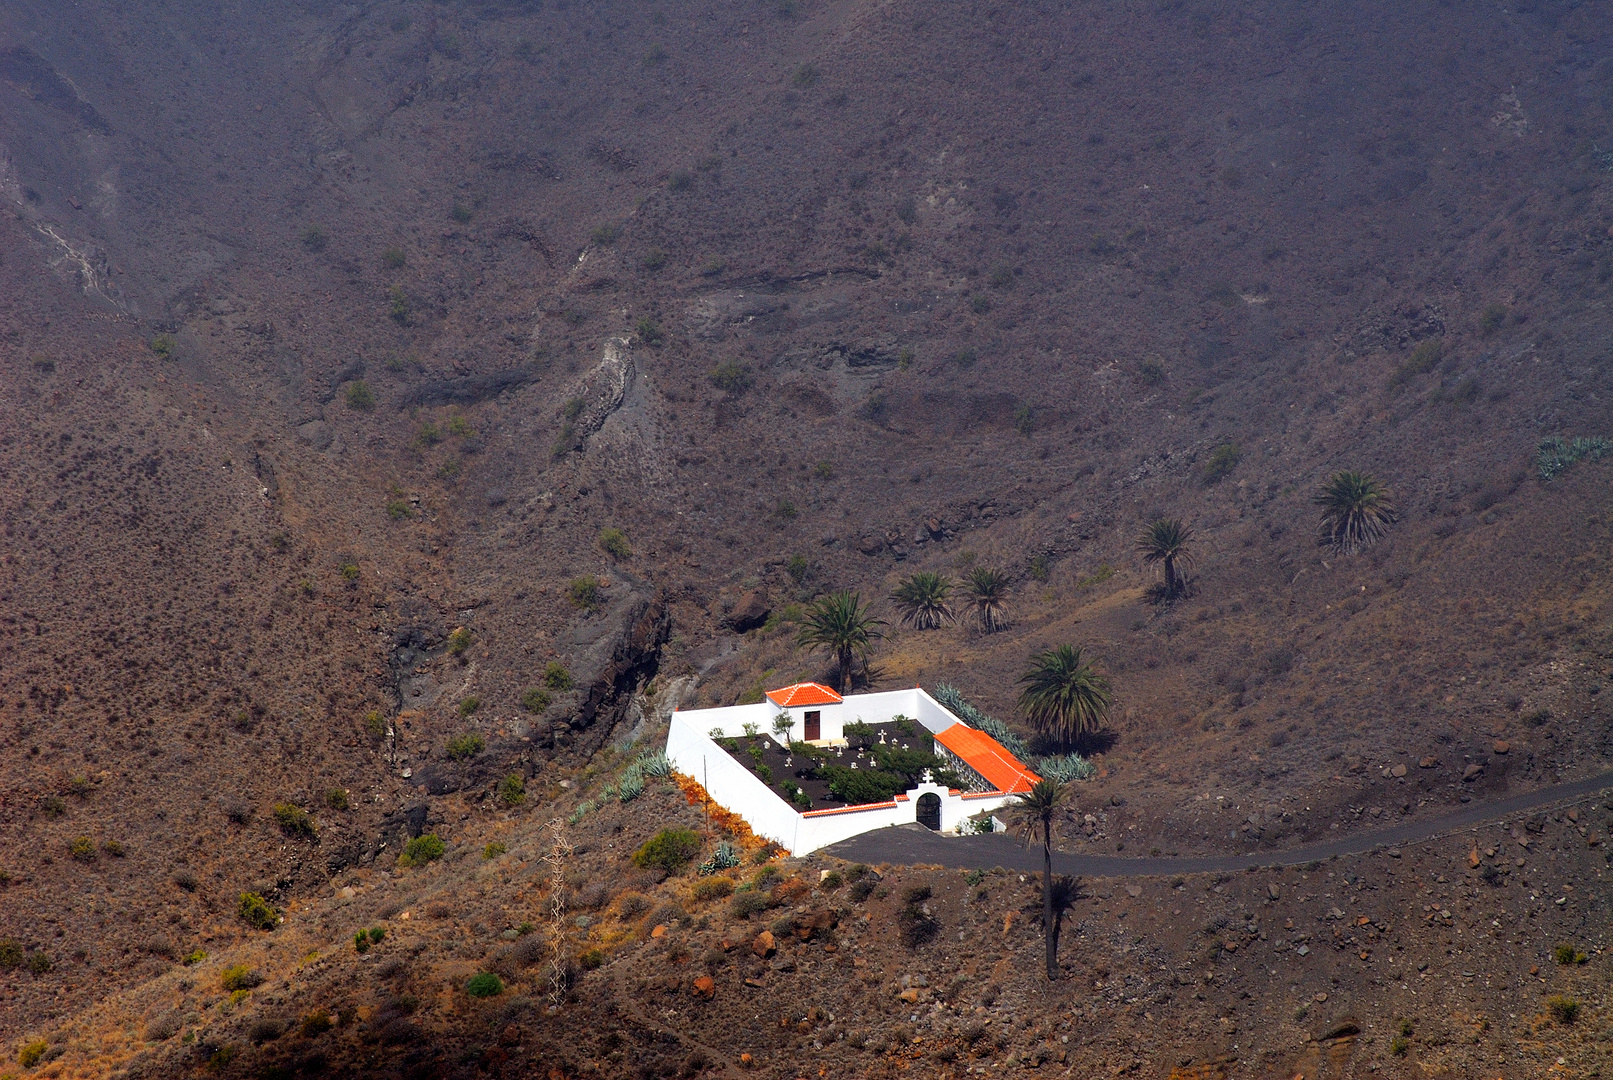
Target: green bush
(465, 745)
(295, 821)
(469, 705)
(731, 377)
(314, 238)
(511, 790)
(375, 723)
(1564, 1010)
(32, 1053)
(583, 592)
(606, 234)
(398, 305)
(1492, 319)
(670, 849)
(315, 1023)
(1399, 1045)
(38, 963)
(1223, 459)
(163, 345)
(649, 331)
(831, 881)
(654, 258)
(336, 798)
(11, 954)
(257, 912)
(535, 699)
(484, 985)
(713, 888)
(613, 542)
(425, 848)
(557, 677)
(748, 903)
(1567, 955)
(360, 396)
(394, 257)
(82, 849)
(859, 786)
(1420, 362)
(238, 977)
(493, 849)
(195, 956)
(591, 959)
(113, 848)
(459, 640)
(460, 212)
(398, 509)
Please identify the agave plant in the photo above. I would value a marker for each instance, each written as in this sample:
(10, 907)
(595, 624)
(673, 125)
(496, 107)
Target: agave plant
(655, 764)
(1165, 541)
(1356, 511)
(840, 624)
(1064, 696)
(988, 594)
(922, 596)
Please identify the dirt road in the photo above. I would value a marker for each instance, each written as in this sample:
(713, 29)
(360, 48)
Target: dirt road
(911, 844)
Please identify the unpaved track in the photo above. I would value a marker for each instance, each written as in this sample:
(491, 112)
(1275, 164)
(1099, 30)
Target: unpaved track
(910, 844)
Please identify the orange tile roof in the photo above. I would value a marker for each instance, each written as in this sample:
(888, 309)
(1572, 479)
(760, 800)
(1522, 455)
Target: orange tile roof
(987, 757)
(803, 693)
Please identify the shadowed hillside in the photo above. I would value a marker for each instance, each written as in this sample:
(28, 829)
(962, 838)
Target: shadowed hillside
(397, 398)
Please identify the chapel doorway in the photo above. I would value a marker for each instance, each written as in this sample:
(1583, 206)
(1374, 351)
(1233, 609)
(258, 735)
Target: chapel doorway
(814, 726)
(929, 811)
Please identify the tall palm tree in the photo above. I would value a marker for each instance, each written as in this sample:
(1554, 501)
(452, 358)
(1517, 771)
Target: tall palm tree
(840, 624)
(922, 596)
(1035, 810)
(1356, 511)
(1165, 541)
(1064, 696)
(988, 594)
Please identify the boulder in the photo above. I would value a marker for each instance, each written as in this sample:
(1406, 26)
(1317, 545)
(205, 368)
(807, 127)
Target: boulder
(1501, 746)
(749, 612)
(763, 946)
(1472, 772)
(1398, 771)
(1428, 763)
(704, 988)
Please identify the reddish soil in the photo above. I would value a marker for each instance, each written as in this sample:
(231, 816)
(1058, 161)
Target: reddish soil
(332, 337)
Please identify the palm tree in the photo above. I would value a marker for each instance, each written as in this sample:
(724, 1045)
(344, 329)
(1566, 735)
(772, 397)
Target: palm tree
(1165, 541)
(840, 624)
(988, 592)
(1064, 696)
(1356, 511)
(922, 596)
(1035, 809)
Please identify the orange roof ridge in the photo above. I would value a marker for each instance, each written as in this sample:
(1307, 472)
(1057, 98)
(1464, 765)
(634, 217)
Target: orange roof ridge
(988, 757)
(803, 693)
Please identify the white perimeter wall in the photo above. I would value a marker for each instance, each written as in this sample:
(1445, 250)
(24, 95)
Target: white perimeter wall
(739, 791)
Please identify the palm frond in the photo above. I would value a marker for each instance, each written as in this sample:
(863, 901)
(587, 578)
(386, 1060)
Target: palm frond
(1356, 511)
(988, 594)
(922, 597)
(841, 625)
(1036, 808)
(1064, 696)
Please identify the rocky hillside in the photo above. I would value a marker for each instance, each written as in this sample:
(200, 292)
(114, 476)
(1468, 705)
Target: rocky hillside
(401, 397)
